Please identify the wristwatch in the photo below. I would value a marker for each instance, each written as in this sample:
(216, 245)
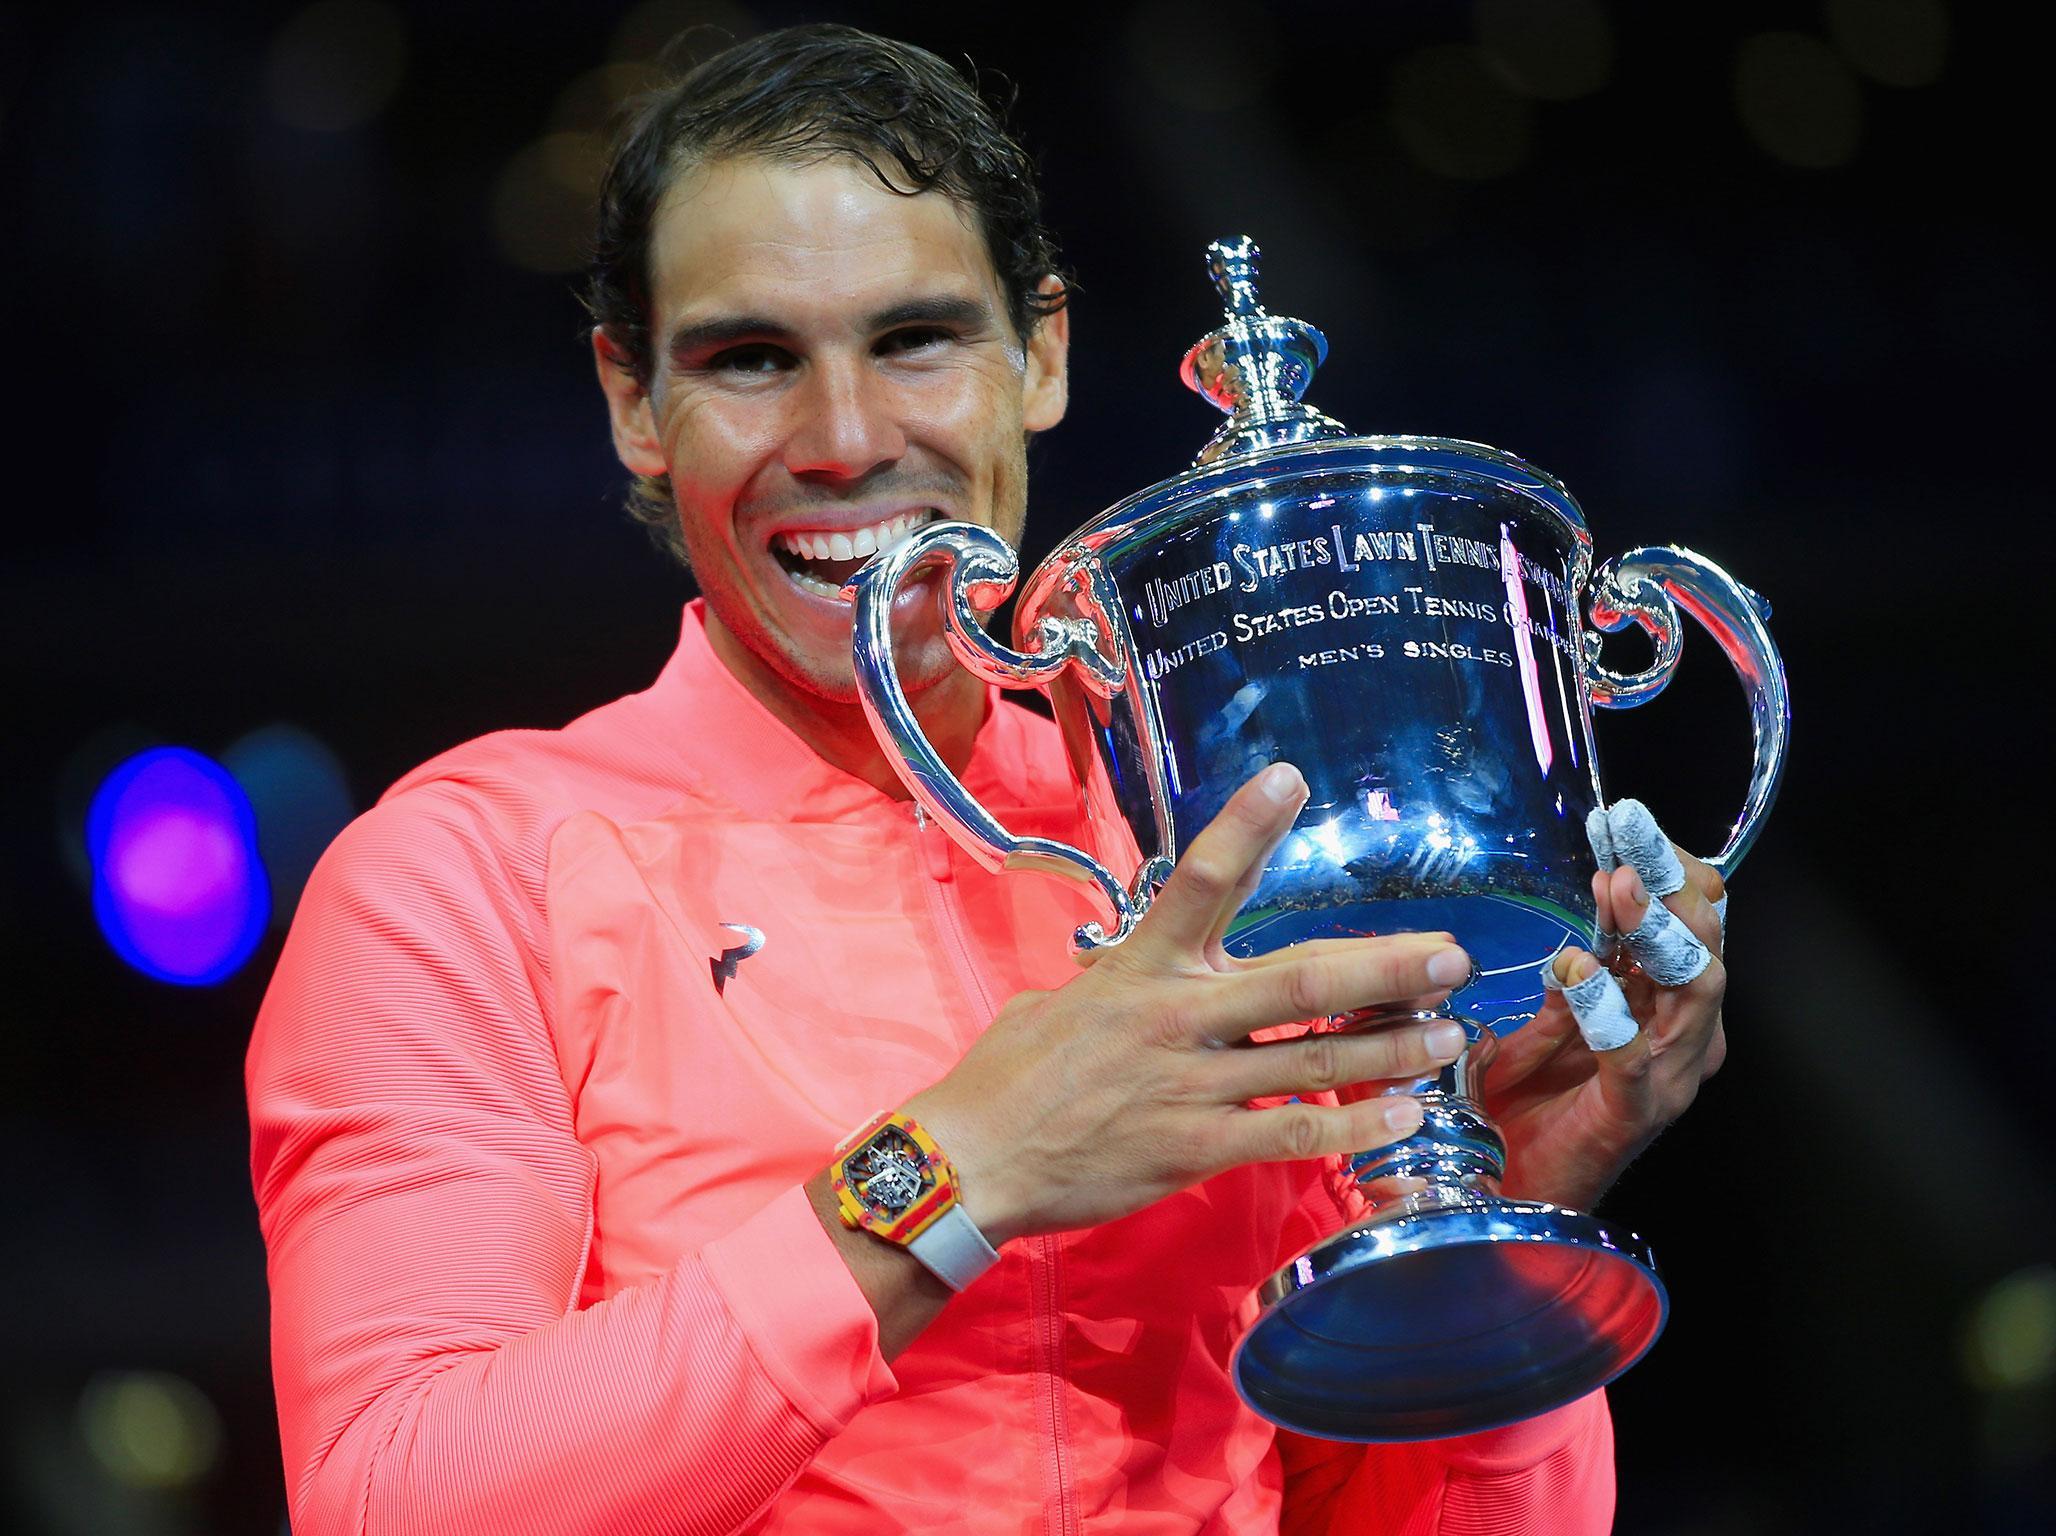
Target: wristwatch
(893, 1181)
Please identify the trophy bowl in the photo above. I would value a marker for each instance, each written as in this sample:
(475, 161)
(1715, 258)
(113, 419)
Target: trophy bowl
(1399, 617)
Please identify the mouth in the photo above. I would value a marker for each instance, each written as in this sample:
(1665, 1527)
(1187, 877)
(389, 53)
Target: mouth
(820, 562)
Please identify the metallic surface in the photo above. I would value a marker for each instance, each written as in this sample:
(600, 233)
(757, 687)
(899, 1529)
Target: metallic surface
(1398, 617)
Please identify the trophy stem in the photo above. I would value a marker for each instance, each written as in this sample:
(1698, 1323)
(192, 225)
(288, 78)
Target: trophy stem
(1457, 1148)
(1447, 1307)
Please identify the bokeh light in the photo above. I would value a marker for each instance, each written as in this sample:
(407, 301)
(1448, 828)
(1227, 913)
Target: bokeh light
(150, 1429)
(1203, 55)
(1552, 50)
(335, 65)
(1797, 100)
(1894, 42)
(1456, 118)
(705, 25)
(178, 886)
(301, 796)
(543, 202)
(2009, 1340)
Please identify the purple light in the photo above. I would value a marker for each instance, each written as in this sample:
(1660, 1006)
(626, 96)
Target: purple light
(177, 885)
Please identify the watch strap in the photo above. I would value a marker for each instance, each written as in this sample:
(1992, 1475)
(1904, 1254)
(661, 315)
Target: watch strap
(953, 1248)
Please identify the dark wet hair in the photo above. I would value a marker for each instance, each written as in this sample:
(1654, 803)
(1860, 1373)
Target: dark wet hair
(800, 94)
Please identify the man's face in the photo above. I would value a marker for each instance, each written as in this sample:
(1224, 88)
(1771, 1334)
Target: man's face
(833, 365)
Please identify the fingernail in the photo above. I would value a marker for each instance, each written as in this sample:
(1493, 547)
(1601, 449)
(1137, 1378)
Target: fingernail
(1637, 892)
(1403, 1116)
(1280, 782)
(1448, 967)
(1573, 966)
(1444, 1040)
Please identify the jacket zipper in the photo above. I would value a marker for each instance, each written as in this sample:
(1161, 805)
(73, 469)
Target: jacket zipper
(1045, 1279)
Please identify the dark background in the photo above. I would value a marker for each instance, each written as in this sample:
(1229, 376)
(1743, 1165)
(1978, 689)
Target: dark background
(303, 430)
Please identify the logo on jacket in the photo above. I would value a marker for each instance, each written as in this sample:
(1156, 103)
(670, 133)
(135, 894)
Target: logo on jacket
(731, 959)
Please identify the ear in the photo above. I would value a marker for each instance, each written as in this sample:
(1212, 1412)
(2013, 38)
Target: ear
(636, 442)
(1047, 387)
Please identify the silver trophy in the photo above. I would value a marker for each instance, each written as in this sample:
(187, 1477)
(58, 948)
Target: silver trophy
(1399, 617)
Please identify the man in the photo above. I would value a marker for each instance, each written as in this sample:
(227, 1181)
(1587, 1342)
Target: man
(548, 1089)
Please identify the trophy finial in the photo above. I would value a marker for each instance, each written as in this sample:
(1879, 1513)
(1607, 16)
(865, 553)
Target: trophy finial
(1232, 264)
(1257, 365)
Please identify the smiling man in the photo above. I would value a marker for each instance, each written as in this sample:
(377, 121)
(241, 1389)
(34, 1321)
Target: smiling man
(658, 1127)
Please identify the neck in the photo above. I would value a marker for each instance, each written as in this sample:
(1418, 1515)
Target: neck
(950, 714)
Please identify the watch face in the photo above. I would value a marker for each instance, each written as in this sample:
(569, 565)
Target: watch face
(889, 1172)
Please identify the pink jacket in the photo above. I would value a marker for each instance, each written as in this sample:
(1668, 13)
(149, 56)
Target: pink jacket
(562, 1027)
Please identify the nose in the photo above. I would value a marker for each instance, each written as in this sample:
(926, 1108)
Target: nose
(848, 422)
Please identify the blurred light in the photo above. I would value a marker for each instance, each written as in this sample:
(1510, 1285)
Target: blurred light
(302, 800)
(591, 101)
(178, 887)
(1797, 100)
(150, 1428)
(1331, 838)
(651, 27)
(2010, 1337)
(543, 202)
(1455, 118)
(1894, 42)
(78, 780)
(1206, 56)
(336, 65)
(1553, 50)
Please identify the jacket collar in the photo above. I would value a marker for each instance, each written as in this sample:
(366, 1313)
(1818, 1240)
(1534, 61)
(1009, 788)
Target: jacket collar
(742, 753)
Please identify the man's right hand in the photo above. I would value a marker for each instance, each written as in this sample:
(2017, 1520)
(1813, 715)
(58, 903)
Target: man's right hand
(1083, 1104)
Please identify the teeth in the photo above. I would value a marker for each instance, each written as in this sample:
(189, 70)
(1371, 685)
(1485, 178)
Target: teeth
(814, 584)
(858, 544)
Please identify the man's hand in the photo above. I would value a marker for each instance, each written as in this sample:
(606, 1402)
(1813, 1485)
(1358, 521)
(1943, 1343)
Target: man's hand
(1080, 1105)
(1574, 1117)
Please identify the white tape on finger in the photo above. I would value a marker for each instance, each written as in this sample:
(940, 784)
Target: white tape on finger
(1666, 949)
(1720, 910)
(1639, 841)
(1599, 1006)
(1599, 833)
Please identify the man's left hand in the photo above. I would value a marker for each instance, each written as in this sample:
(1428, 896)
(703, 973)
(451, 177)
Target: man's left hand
(1574, 1117)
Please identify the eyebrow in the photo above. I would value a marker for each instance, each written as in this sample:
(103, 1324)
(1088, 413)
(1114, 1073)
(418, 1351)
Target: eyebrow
(726, 330)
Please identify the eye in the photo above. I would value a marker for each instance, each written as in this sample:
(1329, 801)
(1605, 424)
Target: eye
(757, 358)
(914, 339)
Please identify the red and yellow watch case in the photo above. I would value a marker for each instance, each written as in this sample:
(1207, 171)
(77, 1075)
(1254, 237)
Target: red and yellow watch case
(891, 1179)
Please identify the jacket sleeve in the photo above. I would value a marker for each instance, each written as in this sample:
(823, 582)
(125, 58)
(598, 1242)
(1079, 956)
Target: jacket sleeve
(427, 1209)
(1549, 1476)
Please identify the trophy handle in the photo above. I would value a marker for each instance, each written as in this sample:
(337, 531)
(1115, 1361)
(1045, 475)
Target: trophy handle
(982, 569)
(1648, 586)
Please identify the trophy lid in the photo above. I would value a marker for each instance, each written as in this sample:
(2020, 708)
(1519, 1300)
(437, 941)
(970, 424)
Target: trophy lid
(1256, 366)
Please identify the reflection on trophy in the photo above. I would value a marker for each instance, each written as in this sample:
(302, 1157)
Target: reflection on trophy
(1399, 617)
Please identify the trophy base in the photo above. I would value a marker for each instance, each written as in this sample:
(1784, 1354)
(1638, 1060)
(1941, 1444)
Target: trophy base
(1444, 1316)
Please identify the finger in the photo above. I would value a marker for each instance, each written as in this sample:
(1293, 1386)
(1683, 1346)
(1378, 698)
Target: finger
(1666, 869)
(1596, 1000)
(1208, 884)
(1638, 841)
(1599, 833)
(1292, 1132)
(1402, 966)
(1310, 947)
(1320, 1063)
(1526, 1050)
(1704, 877)
(1252, 876)
(1602, 898)
(1707, 881)
(1668, 951)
